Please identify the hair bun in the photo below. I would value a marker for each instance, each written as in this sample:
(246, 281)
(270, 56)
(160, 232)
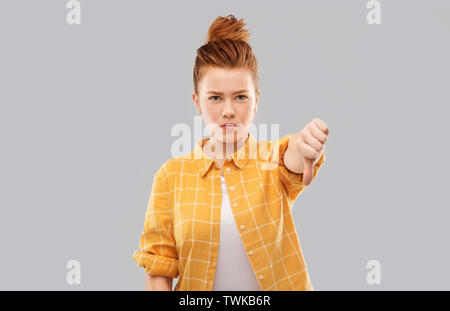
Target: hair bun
(227, 27)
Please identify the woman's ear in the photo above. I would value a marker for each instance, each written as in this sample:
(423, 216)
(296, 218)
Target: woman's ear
(196, 103)
(257, 99)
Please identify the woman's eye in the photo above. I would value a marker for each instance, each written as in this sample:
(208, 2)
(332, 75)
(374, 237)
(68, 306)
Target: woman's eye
(213, 98)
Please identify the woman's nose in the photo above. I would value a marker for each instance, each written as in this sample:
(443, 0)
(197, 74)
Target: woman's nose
(228, 114)
(228, 110)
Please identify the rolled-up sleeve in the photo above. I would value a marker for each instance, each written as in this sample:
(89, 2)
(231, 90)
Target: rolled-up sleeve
(293, 182)
(158, 254)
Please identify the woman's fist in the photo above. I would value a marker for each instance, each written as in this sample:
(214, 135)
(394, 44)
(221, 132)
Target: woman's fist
(309, 142)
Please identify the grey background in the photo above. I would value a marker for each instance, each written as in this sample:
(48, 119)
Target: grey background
(86, 113)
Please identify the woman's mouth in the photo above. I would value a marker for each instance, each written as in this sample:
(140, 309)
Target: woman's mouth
(229, 126)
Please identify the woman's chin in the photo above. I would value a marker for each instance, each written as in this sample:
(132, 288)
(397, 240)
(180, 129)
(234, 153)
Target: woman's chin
(229, 137)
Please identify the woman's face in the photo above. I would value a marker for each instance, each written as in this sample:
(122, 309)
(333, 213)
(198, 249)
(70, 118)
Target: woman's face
(227, 96)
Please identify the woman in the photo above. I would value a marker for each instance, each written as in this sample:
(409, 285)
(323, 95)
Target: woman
(219, 218)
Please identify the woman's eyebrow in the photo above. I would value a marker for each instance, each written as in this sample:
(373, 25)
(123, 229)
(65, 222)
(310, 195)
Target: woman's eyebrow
(219, 93)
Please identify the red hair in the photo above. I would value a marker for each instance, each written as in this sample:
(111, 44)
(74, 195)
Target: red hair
(226, 47)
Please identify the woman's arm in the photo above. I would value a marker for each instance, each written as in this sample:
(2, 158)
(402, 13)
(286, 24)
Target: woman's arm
(157, 283)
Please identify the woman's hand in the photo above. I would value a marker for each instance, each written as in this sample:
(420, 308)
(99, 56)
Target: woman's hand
(309, 144)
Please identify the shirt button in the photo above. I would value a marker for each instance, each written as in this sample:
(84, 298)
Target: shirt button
(250, 252)
(235, 204)
(227, 169)
(261, 277)
(242, 227)
(232, 188)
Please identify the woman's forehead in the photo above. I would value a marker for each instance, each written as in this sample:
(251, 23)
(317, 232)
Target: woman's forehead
(226, 80)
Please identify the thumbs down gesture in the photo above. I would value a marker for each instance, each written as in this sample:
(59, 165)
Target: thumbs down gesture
(305, 148)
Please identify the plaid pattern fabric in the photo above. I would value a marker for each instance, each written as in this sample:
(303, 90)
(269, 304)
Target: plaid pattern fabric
(182, 222)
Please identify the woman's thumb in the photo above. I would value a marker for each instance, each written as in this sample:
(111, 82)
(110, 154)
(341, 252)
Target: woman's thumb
(307, 170)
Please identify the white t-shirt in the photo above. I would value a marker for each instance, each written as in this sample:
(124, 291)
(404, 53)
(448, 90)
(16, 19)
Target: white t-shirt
(233, 271)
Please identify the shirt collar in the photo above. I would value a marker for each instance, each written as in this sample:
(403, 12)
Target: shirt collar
(239, 157)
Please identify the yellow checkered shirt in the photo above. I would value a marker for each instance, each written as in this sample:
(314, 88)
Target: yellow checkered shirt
(182, 222)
